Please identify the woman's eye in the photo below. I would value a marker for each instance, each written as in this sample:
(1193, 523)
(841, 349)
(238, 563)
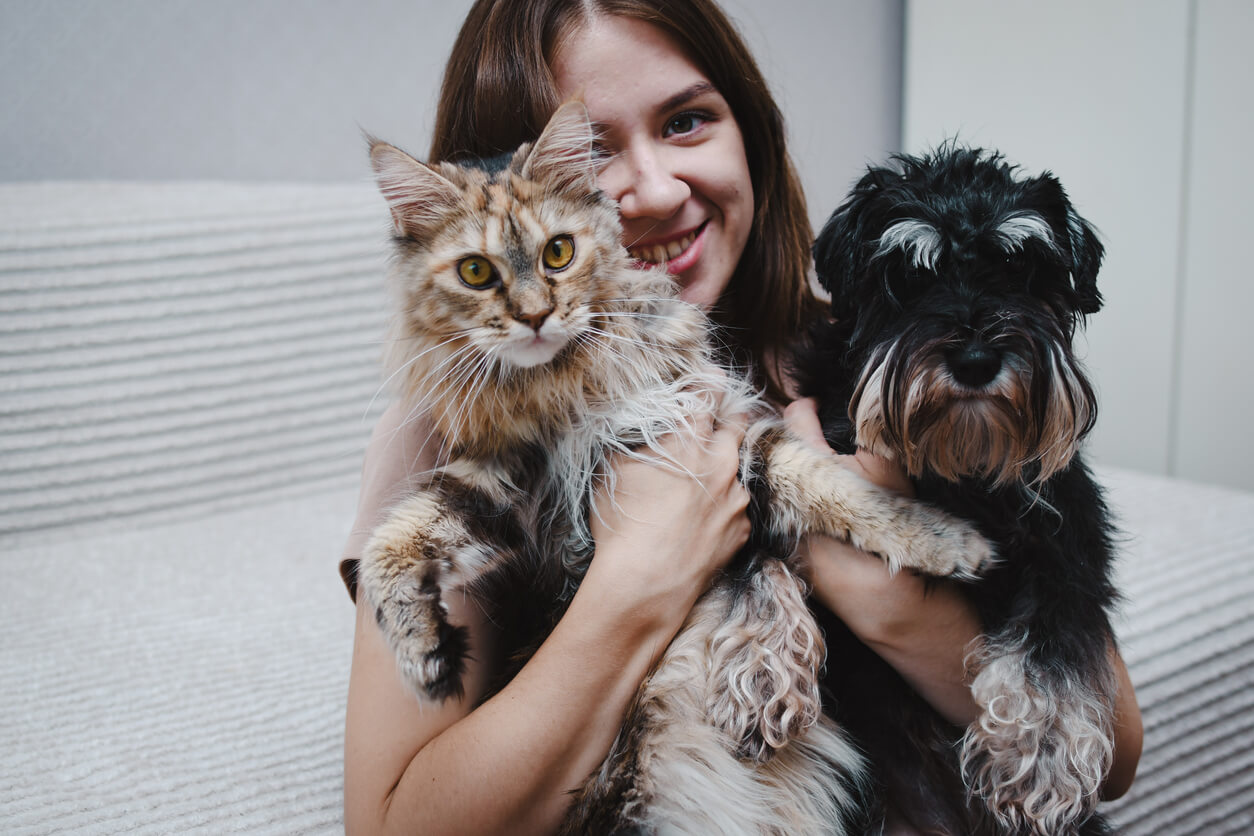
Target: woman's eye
(559, 252)
(684, 123)
(476, 272)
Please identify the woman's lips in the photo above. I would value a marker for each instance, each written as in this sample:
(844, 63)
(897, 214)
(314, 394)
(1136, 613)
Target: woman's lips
(675, 256)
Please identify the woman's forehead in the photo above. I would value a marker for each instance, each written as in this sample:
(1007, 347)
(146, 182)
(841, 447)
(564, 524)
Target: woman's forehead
(619, 66)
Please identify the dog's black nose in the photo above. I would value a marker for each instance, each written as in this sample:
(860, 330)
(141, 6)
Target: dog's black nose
(974, 365)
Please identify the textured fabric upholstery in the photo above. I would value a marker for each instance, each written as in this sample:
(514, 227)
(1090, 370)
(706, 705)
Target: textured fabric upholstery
(169, 348)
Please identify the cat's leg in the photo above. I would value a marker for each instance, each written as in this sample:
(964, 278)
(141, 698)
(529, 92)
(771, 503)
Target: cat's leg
(419, 555)
(807, 491)
(765, 657)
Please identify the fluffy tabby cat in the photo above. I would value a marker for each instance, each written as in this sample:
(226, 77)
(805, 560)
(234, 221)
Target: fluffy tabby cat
(538, 351)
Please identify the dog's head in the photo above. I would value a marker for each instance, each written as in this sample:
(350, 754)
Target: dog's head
(957, 285)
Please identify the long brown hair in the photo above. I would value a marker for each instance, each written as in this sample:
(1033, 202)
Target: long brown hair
(499, 92)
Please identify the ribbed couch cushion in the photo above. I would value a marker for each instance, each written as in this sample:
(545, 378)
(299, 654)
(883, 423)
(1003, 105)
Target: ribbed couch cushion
(168, 349)
(188, 677)
(1187, 633)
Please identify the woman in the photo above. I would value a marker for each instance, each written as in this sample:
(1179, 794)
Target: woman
(703, 182)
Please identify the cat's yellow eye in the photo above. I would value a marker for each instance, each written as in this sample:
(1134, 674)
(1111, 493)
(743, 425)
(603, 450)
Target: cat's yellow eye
(559, 252)
(476, 272)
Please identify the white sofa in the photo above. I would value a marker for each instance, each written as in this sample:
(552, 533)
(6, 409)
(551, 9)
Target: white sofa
(187, 373)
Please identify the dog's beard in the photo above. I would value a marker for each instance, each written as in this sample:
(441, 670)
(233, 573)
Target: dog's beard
(1030, 417)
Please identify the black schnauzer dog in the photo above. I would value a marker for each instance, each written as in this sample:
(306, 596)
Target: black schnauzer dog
(957, 285)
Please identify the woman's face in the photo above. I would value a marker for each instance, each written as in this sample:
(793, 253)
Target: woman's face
(678, 169)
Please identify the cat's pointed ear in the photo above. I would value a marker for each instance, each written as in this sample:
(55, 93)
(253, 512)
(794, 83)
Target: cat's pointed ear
(419, 196)
(565, 154)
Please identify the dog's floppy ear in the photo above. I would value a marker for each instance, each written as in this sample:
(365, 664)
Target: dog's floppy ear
(1086, 259)
(1077, 240)
(841, 248)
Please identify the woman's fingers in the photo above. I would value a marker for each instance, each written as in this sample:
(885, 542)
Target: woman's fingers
(802, 417)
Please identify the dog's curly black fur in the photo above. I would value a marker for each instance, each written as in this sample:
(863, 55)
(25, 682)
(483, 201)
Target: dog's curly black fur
(957, 285)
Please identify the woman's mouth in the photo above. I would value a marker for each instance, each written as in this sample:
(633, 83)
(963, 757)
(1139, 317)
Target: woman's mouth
(676, 256)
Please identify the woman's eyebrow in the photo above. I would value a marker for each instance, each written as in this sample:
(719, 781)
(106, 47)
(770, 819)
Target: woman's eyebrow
(686, 95)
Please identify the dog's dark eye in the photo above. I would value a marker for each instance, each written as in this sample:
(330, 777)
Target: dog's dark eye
(905, 285)
(1018, 271)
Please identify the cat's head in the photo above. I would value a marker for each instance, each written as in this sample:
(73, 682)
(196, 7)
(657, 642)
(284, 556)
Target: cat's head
(505, 264)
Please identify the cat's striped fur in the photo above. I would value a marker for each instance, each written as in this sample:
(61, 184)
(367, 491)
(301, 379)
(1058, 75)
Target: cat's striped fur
(532, 381)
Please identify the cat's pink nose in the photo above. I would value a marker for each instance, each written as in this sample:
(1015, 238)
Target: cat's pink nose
(535, 319)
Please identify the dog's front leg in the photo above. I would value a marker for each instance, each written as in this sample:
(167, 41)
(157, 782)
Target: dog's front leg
(1043, 743)
(808, 491)
(420, 554)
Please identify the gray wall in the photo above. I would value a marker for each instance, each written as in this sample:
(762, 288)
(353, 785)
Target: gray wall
(280, 89)
(1145, 110)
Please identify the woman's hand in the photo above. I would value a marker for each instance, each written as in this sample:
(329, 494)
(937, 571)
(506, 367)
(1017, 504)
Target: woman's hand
(802, 417)
(674, 519)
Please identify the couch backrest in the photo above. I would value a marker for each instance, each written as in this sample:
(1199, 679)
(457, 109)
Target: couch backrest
(170, 349)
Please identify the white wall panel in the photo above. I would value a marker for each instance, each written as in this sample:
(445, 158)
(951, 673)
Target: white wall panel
(1216, 396)
(1096, 92)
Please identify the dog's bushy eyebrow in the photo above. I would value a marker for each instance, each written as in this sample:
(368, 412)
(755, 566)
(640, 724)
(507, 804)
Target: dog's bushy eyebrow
(1020, 227)
(919, 240)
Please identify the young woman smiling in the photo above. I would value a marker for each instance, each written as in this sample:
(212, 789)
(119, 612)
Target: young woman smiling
(704, 184)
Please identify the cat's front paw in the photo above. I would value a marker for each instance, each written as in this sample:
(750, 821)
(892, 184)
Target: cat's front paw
(955, 548)
(403, 587)
(430, 652)
(935, 543)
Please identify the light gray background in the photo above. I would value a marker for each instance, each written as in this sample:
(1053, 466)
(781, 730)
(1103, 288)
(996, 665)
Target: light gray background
(281, 89)
(1143, 107)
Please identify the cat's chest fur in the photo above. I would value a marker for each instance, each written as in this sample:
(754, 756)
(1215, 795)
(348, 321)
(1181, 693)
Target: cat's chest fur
(542, 452)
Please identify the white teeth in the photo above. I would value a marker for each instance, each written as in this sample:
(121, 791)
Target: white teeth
(661, 253)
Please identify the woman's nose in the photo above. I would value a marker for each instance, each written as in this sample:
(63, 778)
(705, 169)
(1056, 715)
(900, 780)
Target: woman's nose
(644, 184)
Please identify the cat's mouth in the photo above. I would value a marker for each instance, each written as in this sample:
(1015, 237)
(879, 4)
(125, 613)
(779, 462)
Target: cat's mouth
(535, 350)
(676, 256)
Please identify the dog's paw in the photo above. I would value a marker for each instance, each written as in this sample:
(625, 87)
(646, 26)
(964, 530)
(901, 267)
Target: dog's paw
(430, 652)
(1038, 753)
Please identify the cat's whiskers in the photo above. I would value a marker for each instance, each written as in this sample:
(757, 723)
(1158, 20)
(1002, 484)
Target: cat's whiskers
(453, 365)
(455, 422)
(591, 339)
(631, 315)
(643, 346)
(417, 408)
(409, 363)
(462, 406)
